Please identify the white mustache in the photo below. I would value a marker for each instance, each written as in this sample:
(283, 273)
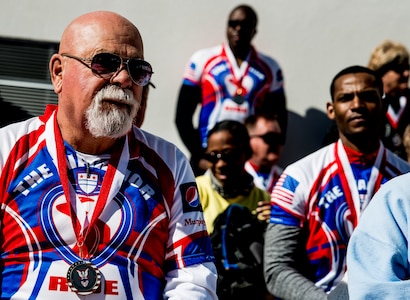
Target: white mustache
(113, 92)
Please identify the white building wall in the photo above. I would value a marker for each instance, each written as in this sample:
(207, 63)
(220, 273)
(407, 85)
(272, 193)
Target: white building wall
(312, 40)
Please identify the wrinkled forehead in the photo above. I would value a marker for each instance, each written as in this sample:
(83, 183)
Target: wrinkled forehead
(354, 84)
(355, 80)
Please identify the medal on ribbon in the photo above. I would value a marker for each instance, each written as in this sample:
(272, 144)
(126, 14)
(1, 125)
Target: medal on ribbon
(83, 277)
(238, 73)
(238, 98)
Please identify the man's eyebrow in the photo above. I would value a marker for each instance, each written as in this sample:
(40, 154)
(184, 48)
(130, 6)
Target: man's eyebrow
(367, 91)
(341, 94)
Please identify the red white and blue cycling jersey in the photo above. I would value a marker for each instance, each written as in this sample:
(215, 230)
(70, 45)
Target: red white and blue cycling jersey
(325, 193)
(150, 226)
(216, 71)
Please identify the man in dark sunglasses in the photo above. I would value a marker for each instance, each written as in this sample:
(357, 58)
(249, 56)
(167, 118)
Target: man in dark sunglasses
(229, 81)
(90, 203)
(266, 142)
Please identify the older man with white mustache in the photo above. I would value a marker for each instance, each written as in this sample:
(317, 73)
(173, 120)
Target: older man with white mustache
(93, 207)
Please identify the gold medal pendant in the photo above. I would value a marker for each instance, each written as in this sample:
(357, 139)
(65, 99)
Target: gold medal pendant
(83, 277)
(238, 98)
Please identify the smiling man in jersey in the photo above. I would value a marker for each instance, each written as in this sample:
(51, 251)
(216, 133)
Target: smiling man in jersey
(318, 200)
(228, 82)
(92, 207)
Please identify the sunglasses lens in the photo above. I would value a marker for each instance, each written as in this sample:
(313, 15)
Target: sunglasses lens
(140, 71)
(105, 64)
(400, 68)
(211, 157)
(269, 138)
(226, 156)
(233, 24)
(244, 24)
(272, 139)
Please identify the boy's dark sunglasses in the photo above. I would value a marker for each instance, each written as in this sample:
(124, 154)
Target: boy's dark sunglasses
(227, 156)
(105, 65)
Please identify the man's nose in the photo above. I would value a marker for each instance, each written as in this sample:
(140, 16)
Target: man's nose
(357, 102)
(122, 77)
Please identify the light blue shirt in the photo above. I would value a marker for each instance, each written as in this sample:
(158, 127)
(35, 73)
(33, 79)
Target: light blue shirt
(378, 252)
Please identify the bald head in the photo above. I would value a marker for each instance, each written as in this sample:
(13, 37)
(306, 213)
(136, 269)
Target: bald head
(98, 32)
(89, 100)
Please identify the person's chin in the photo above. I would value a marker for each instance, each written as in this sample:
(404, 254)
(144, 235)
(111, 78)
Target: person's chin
(234, 41)
(221, 178)
(271, 162)
(403, 86)
(362, 132)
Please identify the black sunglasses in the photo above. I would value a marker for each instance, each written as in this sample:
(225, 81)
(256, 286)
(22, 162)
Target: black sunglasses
(273, 139)
(105, 65)
(242, 23)
(400, 68)
(226, 155)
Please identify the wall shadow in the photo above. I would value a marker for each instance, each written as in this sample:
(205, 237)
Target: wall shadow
(11, 113)
(305, 134)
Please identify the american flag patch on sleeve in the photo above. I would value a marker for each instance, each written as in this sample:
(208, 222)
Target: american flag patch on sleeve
(284, 189)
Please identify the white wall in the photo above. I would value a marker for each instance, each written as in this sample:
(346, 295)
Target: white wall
(312, 40)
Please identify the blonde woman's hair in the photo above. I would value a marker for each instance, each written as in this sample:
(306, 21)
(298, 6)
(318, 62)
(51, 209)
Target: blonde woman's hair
(386, 54)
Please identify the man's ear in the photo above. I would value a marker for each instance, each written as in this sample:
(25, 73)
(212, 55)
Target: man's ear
(330, 111)
(56, 72)
(254, 33)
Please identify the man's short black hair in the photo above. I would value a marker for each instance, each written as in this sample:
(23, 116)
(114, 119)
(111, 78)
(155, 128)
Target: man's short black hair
(354, 70)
